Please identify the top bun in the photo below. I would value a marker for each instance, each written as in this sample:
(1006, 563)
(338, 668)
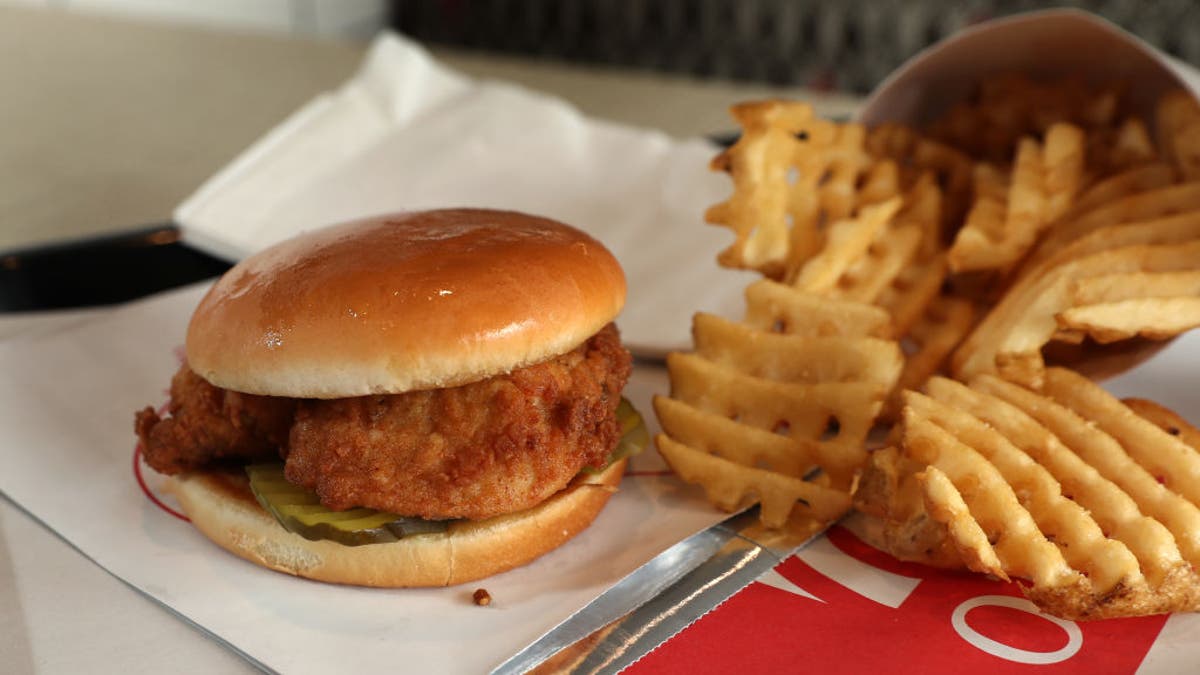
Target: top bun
(403, 302)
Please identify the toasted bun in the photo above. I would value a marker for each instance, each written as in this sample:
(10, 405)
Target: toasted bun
(222, 507)
(412, 301)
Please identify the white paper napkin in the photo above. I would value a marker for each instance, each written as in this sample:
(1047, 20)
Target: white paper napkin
(407, 133)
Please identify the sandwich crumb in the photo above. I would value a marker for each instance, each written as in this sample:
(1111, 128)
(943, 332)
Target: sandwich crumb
(481, 597)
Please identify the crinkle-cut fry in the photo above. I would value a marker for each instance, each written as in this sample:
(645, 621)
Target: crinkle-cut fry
(1121, 185)
(796, 358)
(1106, 562)
(1149, 205)
(1178, 121)
(1173, 463)
(791, 173)
(937, 334)
(776, 307)
(732, 486)
(1020, 546)
(945, 505)
(1101, 451)
(741, 443)
(1010, 337)
(846, 242)
(886, 259)
(1152, 318)
(799, 411)
(990, 399)
(1166, 419)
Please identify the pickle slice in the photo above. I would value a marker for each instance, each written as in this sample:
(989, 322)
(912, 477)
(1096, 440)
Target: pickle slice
(298, 510)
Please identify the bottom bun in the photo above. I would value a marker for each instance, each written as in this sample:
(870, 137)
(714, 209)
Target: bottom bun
(221, 505)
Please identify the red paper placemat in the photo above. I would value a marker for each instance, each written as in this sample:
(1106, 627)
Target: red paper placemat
(863, 611)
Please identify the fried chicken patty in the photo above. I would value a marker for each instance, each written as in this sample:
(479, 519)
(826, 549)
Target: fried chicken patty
(208, 425)
(495, 446)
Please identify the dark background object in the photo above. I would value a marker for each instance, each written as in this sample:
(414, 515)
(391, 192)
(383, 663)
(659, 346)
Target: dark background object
(101, 271)
(825, 44)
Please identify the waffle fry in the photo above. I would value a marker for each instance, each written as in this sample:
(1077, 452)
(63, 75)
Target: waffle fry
(792, 174)
(1120, 185)
(1111, 460)
(910, 295)
(772, 306)
(943, 327)
(1178, 117)
(1079, 234)
(881, 183)
(1166, 419)
(1002, 406)
(870, 276)
(1015, 545)
(1173, 463)
(924, 207)
(847, 242)
(892, 516)
(796, 358)
(739, 443)
(1107, 563)
(1009, 106)
(1113, 307)
(1032, 485)
(846, 410)
(948, 169)
(947, 506)
(1136, 208)
(1045, 178)
(1153, 318)
(1010, 338)
(1112, 151)
(732, 486)
(761, 403)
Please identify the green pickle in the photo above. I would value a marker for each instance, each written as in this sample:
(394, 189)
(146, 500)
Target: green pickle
(634, 436)
(299, 510)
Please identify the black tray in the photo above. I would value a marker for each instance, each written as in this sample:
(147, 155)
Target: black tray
(102, 270)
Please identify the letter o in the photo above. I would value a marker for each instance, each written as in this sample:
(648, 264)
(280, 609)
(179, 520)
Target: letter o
(1001, 650)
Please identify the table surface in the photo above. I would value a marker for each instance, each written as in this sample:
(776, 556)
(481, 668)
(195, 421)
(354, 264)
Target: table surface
(108, 124)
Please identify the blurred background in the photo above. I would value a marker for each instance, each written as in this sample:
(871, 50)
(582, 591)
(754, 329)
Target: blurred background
(825, 44)
(114, 111)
